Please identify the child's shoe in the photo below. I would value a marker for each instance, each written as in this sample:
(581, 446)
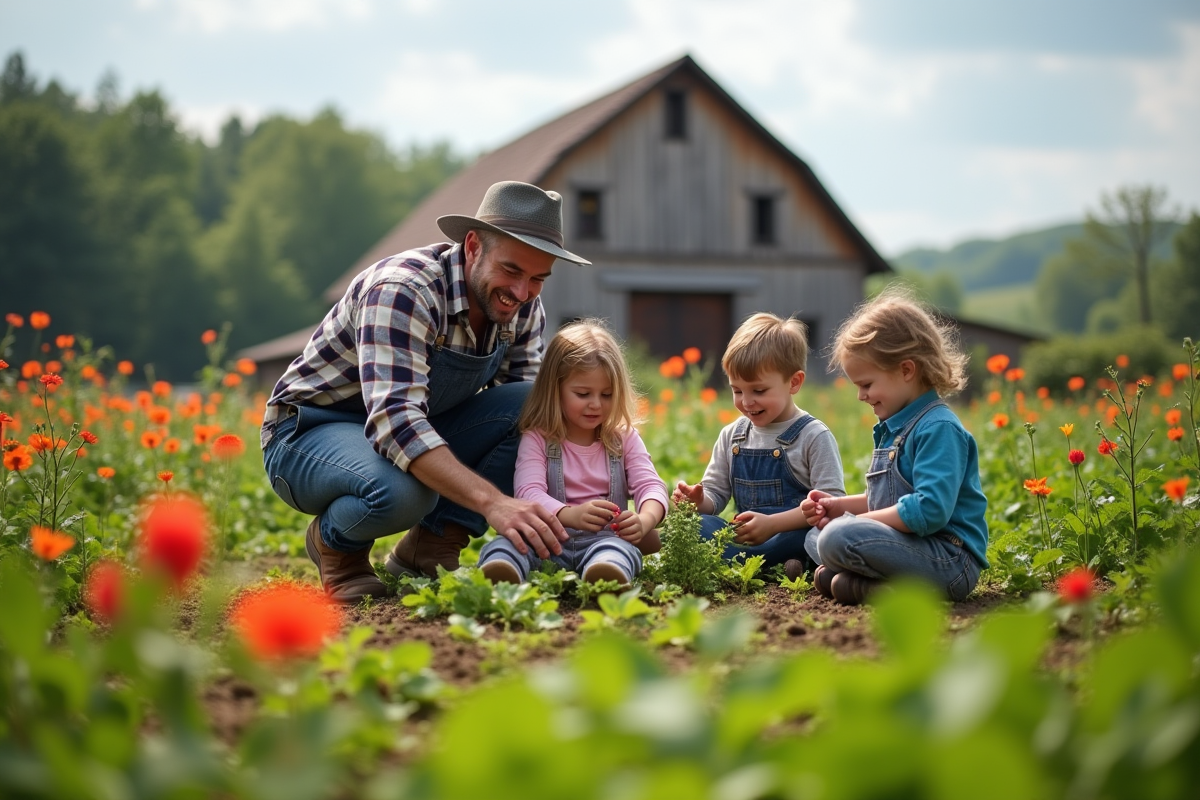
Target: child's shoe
(606, 571)
(823, 580)
(852, 589)
(500, 571)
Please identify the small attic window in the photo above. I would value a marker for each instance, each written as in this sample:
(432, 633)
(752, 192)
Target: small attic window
(676, 114)
(588, 215)
(762, 219)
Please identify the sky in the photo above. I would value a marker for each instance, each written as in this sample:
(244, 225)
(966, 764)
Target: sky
(929, 121)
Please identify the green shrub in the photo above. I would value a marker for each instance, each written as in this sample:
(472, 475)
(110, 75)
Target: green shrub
(1053, 363)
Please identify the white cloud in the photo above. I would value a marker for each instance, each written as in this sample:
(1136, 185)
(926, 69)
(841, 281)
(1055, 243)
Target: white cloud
(1169, 90)
(274, 16)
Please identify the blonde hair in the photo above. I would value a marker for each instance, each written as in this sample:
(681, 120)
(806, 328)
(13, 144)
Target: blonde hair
(581, 347)
(766, 343)
(896, 327)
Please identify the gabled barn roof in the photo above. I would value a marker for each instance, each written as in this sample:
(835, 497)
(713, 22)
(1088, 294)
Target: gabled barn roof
(531, 157)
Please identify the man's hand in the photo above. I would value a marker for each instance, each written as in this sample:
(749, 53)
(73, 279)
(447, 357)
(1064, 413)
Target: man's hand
(752, 528)
(592, 516)
(693, 494)
(522, 521)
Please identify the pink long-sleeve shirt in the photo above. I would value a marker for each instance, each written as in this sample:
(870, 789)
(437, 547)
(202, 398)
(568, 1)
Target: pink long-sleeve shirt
(585, 472)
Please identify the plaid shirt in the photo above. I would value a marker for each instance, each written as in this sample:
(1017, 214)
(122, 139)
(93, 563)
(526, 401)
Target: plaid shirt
(377, 341)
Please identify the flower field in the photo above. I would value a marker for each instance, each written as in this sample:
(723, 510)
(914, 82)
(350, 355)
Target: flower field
(162, 634)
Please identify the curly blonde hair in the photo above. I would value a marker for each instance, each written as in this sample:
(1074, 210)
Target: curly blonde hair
(581, 347)
(895, 327)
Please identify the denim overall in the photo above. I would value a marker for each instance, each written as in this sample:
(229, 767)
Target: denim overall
(320, 462)
(763, 482)
(878, 551)
(583, 547)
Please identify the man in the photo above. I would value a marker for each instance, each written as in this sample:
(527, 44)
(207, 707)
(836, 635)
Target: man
(401, 411)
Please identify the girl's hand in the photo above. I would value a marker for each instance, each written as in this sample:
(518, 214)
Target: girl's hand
(629, 527)
(693, 494)
(814, 512)
(592, 516)
(753, 528)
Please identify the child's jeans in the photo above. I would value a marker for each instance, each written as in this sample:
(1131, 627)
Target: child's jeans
(879, 551)
(578, 553)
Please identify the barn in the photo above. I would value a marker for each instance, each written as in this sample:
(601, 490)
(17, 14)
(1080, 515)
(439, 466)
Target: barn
(693, 215)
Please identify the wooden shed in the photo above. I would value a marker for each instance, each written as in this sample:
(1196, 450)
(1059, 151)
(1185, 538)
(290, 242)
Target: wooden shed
(693, 214)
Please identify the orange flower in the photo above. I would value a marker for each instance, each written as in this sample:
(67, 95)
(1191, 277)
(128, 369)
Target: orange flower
(47, 544)
(666, 395)
(673, 367)
(1076, 586)
(1037, 486)
(87, 372)
(1000, 420)
(171, 445)
(1175, 434)
(202, 433)
(708, 395)
(228, 446)
(151, 439)
(997, 363)
(161, 388)
(726, 415)
(246, 366)
(1106, 447)
(15, 320)
(31, 369)
(1076, 383)
(174, 537)
(1176, 489)
(1181, 372)
(18, 458)
(105, 472)
(1014, 374)
(39, 320)
(64, 341)
(1043, 392)
(1122, 361)
(159, 415)
(208, 337)
(50, 380)
(692, 355)
(1110, 414)
(993, 398)
(1173, 416)
(41, 443)
(125, 367)
(285, 621)
(89, 437)
(231, 379)
(3, 364)
(166, 475)
(104, 590)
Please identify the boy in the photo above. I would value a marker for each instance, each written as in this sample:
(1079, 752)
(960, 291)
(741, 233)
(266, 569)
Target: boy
(771, 458)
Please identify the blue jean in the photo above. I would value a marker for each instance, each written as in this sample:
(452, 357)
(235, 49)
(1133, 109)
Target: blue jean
(578, 553)
(779, 549)
(331, 470)
(876, 550)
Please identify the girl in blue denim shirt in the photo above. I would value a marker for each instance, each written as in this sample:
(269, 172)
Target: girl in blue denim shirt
(922, 514)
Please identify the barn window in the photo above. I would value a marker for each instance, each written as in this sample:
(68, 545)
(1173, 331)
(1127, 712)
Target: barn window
(676, 114)
(762, 222)
(588, 216)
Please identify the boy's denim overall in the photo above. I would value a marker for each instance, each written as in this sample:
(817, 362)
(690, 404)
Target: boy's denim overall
(320, 462)
(879, 551)
(583, 548)
(763, 482)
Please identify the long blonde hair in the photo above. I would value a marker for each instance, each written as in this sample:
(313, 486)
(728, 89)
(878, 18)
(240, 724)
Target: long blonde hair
(581, 347)
(895, 327)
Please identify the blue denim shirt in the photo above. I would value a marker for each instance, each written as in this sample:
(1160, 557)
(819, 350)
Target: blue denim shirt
(941, 461)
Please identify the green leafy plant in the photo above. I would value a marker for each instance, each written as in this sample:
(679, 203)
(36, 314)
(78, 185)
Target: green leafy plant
(618, 611)
(682, 622)
(688, 560)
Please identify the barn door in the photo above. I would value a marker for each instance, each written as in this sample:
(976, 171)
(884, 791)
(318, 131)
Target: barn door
(670, 322)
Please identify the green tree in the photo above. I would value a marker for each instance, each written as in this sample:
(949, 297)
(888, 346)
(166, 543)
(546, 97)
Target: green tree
(1131, 221)
(1073, 281)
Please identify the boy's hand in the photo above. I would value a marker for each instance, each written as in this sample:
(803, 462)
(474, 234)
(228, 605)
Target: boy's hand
(693, 494)
(831, 507)
(752, 528)
(629, 527)
(815, 513)
(592, 516)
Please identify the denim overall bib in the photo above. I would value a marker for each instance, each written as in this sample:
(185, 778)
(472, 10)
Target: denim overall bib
(885, 484)
(763, 482)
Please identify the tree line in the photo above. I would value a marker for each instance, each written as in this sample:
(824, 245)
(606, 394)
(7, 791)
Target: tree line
(129, 230)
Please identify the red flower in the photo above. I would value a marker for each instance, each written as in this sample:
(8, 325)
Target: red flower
(228, 446)
(1106, 447)
(1000, 420)
(285, 621)
(49, 545)
(104, 591)
(41, 443)
(1014, 374)
(208, 337)
(51, 380)
(3, 364)
(1075, 457)
(88, 437)
(15, 320)
(1076, 585)
(39, 320)
(174, 537)
(166, 475)
(1176, 489)
(1175, 434)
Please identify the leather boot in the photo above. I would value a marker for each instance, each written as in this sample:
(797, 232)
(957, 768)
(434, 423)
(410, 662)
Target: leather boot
(346, 577)
(852, 589)
(421, 551)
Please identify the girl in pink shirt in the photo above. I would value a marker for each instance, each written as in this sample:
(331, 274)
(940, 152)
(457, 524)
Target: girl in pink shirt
(581, 458)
